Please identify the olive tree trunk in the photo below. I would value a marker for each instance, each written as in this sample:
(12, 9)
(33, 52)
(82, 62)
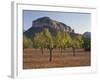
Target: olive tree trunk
(50, 58)
(42, 51)
(73, 51)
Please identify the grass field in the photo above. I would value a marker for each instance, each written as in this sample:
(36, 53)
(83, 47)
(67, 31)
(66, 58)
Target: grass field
(34, 59)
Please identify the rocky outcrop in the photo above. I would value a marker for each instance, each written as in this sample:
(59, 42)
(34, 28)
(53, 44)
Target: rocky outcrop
(45, 22)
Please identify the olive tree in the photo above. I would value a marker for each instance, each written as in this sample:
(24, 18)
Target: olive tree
(58, 40)
(39, 41)
(49, 43)
(87, 44)
(44, 40)
(27, 42)
(77, 42)
(62, 40)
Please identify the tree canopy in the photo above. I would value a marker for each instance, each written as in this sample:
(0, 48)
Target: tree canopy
(62, 39)
(77, 41)
(27, 43)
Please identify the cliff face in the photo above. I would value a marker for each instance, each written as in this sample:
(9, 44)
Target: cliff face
(45, 22)
(87, 35)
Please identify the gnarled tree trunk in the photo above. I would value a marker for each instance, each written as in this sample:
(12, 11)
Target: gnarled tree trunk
(50, 58)
(42, 51)
(73, 51)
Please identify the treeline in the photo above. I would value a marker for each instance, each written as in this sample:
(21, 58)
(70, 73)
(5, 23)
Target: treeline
(62, 40)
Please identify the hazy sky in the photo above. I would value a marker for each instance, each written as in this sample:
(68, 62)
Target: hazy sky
(80, 22)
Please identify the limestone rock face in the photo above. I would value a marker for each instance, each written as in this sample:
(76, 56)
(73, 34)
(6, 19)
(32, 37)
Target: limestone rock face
(45, 22)
(87, 34)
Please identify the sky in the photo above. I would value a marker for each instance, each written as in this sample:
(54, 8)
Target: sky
(80, 22)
